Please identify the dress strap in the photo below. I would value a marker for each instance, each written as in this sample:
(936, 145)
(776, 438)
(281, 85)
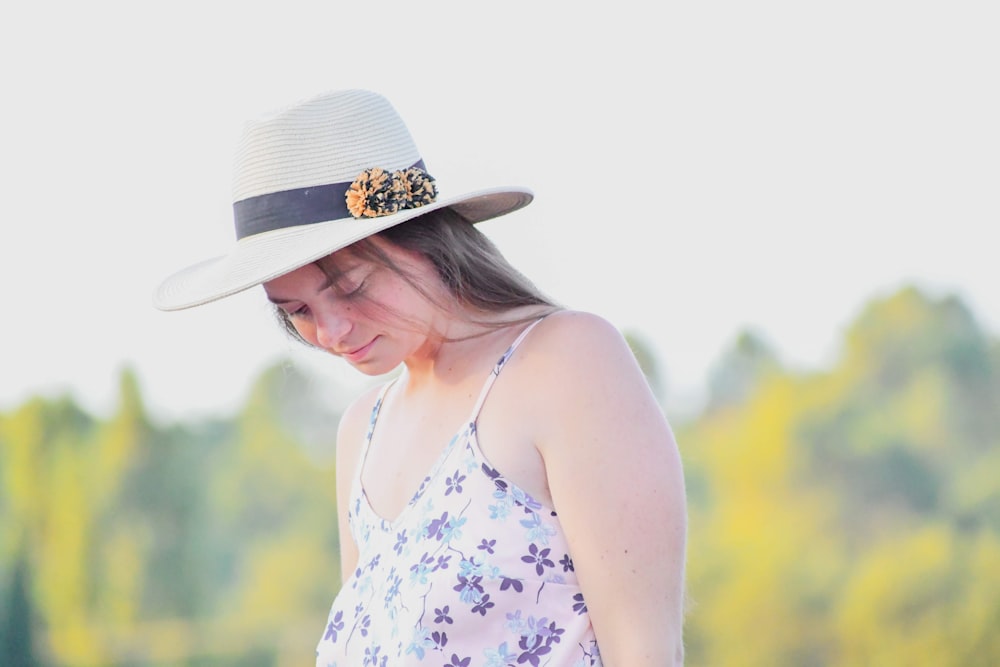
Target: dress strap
(371, 430)
(499, 367)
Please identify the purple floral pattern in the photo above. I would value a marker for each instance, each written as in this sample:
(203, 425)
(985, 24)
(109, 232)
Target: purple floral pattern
(473, 573)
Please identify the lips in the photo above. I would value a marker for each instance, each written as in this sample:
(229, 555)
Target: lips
(358, 353)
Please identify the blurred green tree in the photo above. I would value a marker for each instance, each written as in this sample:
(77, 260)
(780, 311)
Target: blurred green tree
(17, 622)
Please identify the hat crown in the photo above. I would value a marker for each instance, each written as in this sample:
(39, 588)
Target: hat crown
(327, 139)
(292, 172)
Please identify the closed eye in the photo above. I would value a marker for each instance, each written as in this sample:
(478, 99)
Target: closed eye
(355, 291)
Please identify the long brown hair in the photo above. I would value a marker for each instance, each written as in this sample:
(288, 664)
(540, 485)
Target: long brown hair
(469, 265)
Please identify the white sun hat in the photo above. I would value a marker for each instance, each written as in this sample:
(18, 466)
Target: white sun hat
(314, 178)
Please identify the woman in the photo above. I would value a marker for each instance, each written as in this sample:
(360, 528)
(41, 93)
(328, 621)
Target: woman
(514, 495)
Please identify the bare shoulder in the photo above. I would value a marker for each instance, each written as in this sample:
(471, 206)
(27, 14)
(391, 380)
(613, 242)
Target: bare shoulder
(573, 364)
(578, 342)
(577, 322)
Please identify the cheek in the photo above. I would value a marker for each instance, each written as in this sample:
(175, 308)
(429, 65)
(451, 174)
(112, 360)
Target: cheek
(306, 329)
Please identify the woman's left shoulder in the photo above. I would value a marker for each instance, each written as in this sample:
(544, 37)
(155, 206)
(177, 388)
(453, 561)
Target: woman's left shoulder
(571, 350)
(567, 335)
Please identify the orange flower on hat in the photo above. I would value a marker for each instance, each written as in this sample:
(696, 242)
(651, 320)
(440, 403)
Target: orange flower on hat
(375, 192)
(419, 186)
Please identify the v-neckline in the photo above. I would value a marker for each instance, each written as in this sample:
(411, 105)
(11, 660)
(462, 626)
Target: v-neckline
(435, 470)
(466, 428)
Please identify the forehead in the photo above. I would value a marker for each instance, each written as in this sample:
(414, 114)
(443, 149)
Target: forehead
(376, 252)
(341, 262)
(305, 279)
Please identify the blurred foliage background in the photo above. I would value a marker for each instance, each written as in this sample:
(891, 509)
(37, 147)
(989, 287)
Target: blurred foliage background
(842, 516)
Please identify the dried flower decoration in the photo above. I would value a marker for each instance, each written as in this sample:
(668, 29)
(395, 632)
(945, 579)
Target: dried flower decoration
(376, 192)
(420, 187)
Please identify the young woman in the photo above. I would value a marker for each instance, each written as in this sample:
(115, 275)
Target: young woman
(514, 495)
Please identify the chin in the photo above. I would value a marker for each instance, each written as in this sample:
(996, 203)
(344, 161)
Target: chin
(373, 368)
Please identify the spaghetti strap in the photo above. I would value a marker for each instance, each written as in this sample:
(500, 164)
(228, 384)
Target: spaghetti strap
(499, 367)
(371, 430)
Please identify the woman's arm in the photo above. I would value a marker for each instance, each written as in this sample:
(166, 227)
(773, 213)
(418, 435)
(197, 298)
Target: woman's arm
(617, 484)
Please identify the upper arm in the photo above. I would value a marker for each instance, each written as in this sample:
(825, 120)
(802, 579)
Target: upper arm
(616, 480)
(350, 439)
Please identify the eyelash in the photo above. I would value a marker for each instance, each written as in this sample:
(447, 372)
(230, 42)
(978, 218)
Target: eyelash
(356, 291)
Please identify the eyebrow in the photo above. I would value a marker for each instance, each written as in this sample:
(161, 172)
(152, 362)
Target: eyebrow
(277, 300)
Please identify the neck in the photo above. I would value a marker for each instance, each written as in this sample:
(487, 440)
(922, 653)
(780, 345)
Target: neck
(465, 349)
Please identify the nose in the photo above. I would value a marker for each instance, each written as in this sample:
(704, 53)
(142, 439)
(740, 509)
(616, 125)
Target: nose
(332, 327)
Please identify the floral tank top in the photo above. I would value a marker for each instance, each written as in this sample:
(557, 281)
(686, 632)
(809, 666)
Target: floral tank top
(473, 573)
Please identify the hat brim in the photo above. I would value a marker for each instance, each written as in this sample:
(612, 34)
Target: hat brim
(262, 257)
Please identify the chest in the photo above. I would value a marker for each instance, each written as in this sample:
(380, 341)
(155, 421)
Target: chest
(409, 443)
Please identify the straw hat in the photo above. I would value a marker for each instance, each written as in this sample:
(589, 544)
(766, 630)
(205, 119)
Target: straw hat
(314, 178)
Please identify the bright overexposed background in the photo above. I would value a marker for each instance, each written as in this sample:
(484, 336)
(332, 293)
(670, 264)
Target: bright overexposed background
(699, 168)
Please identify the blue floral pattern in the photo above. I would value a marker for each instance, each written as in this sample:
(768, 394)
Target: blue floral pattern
(473, 573)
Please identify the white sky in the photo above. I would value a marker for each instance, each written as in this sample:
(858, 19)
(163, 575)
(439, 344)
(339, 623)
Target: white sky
(699, 167)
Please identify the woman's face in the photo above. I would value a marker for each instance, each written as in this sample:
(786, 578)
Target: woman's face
(372, 316)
